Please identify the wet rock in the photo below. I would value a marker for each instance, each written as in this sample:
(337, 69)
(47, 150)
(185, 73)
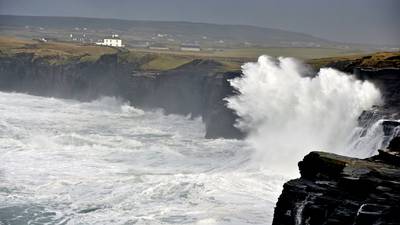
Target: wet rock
(389, 126)
(335, 189)
(369, 214)
(394, 145)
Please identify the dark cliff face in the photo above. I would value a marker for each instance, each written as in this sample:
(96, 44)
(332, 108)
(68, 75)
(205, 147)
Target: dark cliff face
(197, 88)
(337, 190)
(84, 81)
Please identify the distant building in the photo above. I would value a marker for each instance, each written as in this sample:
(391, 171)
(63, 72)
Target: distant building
(139, 44)
(43, 40)
(158, 46)
(190, 47)
(113, 41)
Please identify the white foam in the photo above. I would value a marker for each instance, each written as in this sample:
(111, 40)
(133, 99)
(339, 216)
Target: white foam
(105, 162)
(288, 114)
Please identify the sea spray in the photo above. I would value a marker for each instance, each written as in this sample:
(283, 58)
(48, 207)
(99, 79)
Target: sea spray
(288, 114)
(366, 141)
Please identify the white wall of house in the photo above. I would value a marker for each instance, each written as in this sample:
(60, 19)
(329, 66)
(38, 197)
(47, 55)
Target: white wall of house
(115, 42)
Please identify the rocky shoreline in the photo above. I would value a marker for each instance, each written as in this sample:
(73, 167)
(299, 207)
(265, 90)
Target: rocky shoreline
(197, 88)
(335, 189)
(332, 189)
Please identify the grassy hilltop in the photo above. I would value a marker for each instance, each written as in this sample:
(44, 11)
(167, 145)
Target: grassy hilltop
(64, 52)
(375, 60)
(159, 60)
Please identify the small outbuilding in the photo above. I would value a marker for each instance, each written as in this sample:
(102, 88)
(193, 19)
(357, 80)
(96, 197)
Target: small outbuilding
(190, 47)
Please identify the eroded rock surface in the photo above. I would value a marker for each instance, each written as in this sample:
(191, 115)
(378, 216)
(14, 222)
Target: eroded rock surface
(335, 190)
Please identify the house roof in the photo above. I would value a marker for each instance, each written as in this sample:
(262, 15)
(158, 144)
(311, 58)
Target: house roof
(113, 38)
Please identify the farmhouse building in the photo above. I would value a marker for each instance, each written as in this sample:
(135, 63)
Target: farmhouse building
(113, 41)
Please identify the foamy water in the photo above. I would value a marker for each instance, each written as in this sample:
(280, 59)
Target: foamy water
(105, 162)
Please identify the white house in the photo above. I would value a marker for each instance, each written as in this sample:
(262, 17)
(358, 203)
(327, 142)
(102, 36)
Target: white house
(113, 41)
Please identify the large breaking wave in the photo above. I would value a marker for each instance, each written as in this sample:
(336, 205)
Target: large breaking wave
(288, 113)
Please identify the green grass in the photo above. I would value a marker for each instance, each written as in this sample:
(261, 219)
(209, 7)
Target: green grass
(376, 60)
(156, 60)
(300, 53)
(55, 52)
(246, 54)
(161, 61)
(165, 62)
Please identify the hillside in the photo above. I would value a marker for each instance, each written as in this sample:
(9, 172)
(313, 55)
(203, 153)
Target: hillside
(64, 52)
(164, 32)
(61, 52)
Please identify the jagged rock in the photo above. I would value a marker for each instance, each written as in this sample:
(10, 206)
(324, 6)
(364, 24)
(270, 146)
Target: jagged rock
(394, 145)
(389, 126)
(335, 189)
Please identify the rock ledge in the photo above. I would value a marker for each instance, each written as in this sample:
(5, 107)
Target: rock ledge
(335, 189)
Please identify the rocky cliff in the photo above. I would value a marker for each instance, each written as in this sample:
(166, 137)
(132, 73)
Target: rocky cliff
(196, 88)
(334, 189)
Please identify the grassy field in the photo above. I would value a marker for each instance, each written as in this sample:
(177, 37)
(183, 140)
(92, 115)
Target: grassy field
(63, 52)
(375, 60)
(57, 51)
(233, 58)
(253, 53)
(159, 60)
(301, 53)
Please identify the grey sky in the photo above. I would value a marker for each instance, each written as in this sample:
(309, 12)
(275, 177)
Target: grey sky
(360, 21)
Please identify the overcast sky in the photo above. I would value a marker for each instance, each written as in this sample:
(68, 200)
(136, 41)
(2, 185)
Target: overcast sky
(359, 21)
